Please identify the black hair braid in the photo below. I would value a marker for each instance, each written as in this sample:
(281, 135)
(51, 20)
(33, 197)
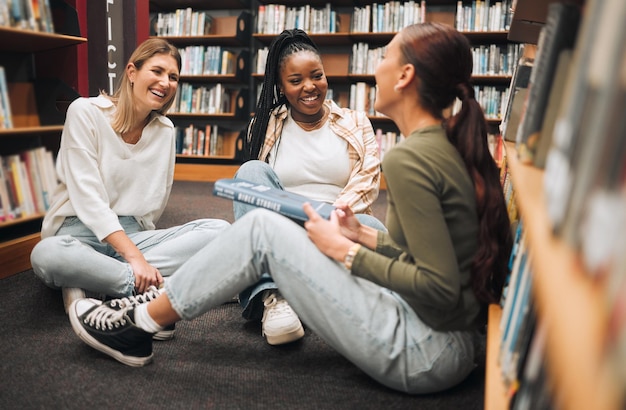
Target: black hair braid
(286, 43)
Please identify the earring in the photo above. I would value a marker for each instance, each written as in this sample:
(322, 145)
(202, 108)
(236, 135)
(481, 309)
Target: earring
(132, 84)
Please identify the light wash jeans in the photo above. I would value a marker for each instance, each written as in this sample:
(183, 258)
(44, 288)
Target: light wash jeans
(371, 326)
(261, 173)
(75, 258)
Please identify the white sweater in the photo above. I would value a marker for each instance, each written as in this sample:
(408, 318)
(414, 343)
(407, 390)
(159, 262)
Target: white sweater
(102, 177)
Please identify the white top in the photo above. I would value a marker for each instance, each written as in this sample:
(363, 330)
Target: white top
(102, 177)
(315, 163)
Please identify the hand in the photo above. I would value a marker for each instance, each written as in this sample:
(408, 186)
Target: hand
(348, 222)
(327, 235)
(146, 275)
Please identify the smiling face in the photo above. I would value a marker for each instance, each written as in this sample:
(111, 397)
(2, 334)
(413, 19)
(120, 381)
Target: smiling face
(155, 83)
(303, 81)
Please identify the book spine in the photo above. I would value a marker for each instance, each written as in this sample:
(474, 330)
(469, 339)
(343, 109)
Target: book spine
(558, 34)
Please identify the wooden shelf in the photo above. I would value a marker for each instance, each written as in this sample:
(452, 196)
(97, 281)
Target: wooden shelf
(15, 254)
(203, 172)
(28, 131)
(28, 41)
(495, 393)
(210, 40)
(568, 300)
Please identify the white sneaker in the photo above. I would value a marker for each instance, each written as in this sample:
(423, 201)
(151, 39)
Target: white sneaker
(70, 295)
(280, 323)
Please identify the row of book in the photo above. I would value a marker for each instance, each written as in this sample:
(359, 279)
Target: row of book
(364, 60)
(182, 22)
(384, 17)
(585, 166)
(572, 116)
(274, 18)
(565, 114)
(27, 14)
(362, 97)
(27, 181)
(205, 141)
(484, 15)
(207, 60)
(521, 355)
(387, 140)
(495, 59)
(387, 17)
(6, 119)
(492, 100)
(201, 99)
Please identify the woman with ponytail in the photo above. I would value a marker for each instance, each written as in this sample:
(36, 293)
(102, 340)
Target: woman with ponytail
(403, 306)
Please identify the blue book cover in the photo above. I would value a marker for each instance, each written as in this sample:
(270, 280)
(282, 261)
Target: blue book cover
(274, 199)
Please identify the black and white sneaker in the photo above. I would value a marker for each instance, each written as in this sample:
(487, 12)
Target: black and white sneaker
(111, 331)
(135, 300)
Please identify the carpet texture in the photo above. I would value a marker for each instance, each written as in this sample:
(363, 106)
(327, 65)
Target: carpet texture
(217, 361)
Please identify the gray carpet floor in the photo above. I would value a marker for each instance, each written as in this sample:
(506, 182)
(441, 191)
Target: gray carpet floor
(217, 361)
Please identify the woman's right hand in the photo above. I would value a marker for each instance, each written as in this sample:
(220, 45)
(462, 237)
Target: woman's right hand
(146, 275)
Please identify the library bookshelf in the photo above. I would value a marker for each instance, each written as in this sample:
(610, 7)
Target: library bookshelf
(37, 110)
(336, 54)
(571, 304)
(208, 138)
(567, 299)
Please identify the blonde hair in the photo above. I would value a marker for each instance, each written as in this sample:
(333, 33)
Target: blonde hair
(123, 97)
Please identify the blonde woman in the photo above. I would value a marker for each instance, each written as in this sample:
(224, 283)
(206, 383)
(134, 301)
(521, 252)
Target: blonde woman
(115, 166)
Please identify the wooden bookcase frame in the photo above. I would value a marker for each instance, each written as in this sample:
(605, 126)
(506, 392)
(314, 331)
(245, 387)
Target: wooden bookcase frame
(31, 116)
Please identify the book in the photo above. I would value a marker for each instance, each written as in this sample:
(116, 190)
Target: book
(559, 33)
(535, 390)
(554, 102)
(516, 98)
(6, 119)
(285, 203)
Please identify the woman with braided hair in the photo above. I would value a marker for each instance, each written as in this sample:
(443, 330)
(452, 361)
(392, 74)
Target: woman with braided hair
(302, 142)
(403, 305)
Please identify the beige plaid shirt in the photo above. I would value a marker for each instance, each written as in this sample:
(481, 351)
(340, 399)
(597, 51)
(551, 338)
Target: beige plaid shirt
(353, 126)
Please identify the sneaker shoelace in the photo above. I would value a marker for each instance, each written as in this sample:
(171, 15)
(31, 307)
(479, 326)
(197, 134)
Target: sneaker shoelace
(151, 294)
(105, 318)
(277, 306)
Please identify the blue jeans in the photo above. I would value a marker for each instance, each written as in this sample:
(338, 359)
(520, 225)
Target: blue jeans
(75, 258)
(261, 173)
(370, 325)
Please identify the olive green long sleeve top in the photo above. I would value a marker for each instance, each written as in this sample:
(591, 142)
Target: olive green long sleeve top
(432, 234)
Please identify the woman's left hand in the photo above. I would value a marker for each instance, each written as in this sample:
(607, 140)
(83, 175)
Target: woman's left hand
(326, 235)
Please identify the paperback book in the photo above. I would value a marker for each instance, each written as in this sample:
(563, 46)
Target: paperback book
(285, 203)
